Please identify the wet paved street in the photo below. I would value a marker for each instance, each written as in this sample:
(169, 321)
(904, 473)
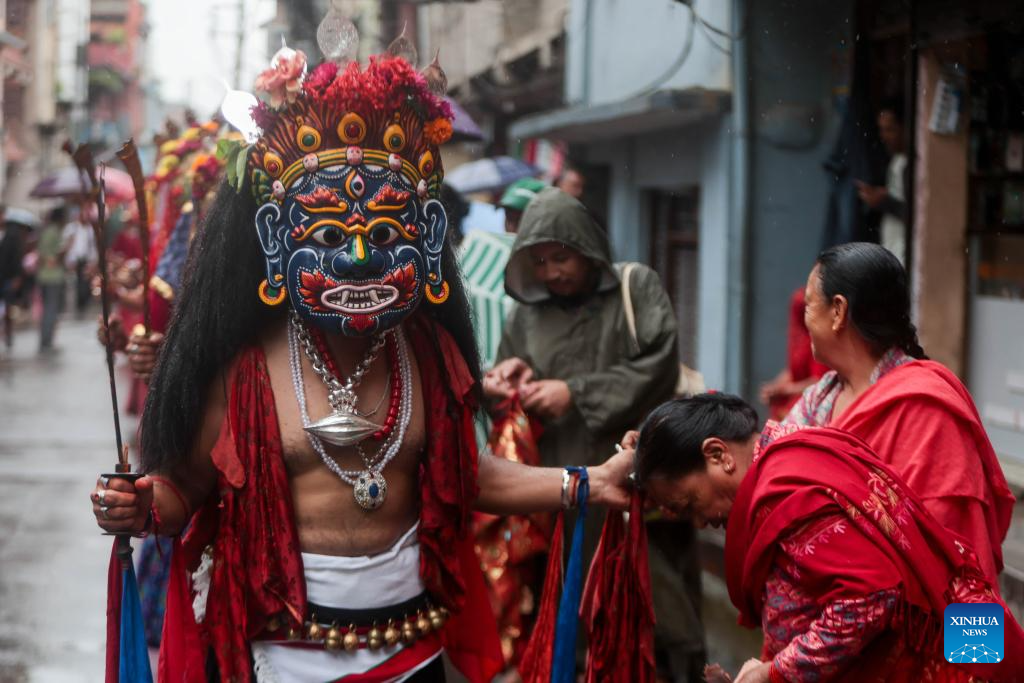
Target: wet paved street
(56, 435)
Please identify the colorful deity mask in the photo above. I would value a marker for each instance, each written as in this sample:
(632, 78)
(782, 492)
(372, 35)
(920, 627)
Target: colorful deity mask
(347, 172)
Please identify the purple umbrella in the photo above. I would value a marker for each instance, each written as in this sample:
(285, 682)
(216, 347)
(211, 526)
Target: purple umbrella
(67, 182)
(463, 126)
(484, 175)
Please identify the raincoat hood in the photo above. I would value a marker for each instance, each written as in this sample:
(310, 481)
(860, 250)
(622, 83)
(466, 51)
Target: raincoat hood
(554, 216)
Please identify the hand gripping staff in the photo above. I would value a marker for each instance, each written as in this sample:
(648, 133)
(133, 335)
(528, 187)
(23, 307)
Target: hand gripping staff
(128, 660)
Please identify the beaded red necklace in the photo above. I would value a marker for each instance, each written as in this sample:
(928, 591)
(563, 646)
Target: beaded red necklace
(394, 402)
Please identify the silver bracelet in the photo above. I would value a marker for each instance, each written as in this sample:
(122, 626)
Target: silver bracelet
(566, 478)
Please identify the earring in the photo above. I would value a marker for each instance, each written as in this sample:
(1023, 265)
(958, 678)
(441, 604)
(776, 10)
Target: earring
(271, 296)
(438, 294)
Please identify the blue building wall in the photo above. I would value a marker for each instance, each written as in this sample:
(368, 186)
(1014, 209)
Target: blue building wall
(798, 51)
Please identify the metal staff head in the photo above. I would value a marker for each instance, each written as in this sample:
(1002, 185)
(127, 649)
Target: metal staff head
(82, 156)
(129, 156)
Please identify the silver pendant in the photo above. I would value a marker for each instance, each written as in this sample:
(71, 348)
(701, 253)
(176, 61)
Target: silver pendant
(370, 490)
(343, 429)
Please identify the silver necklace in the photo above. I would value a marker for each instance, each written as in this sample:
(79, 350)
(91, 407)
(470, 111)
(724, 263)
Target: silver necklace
(369, 485)
(380, 401)
(344, 426)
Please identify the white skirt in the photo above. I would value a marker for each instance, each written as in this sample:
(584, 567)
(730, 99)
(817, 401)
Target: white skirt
(366, 582)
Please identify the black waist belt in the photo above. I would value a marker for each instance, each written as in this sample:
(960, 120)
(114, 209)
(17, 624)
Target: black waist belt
(378, 615)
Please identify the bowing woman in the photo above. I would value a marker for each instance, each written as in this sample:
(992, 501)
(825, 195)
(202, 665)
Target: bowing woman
(827, 548)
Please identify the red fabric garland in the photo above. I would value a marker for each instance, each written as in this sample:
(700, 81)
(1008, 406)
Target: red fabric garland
(535, 665)
(617, 608)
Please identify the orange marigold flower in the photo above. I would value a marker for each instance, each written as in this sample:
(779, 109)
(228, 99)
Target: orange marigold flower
(438, 131)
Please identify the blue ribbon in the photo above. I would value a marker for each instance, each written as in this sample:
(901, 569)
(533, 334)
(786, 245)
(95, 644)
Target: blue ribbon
(563, 662)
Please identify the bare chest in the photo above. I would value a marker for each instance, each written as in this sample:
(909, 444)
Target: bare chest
(328, 518)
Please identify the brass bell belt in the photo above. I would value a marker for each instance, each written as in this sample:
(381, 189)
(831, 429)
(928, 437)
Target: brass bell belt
(373, 629)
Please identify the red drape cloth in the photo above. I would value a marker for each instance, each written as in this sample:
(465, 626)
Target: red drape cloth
(535, 664)
(114, 590)
(511, 549)
(819, 471)
(616, 607)
(257, 570)
(920, 420)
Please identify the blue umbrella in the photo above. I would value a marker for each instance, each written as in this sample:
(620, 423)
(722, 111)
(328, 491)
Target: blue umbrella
(488, 175)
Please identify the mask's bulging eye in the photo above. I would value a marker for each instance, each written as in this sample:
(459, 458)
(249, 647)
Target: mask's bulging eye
(330, 236)
(383, 235)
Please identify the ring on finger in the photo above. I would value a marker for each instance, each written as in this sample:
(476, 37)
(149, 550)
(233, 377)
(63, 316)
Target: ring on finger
(103, 511)
(104, 481)
(100, 495)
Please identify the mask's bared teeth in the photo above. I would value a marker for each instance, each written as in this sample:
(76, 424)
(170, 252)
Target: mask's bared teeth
(344, 296)
(373, 296)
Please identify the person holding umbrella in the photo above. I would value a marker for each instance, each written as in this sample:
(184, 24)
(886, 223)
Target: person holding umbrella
(51, 276)
(10, 270)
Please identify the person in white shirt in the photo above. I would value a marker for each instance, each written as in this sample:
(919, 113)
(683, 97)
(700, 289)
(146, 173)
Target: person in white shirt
(80, 257)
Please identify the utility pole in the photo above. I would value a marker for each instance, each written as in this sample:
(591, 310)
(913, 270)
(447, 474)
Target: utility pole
(240, 45)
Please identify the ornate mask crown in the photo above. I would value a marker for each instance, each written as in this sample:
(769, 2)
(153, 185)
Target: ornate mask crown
(347, 172)
(385, 115)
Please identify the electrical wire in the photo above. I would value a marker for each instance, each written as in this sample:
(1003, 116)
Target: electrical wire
(677, 63)
(706, 30)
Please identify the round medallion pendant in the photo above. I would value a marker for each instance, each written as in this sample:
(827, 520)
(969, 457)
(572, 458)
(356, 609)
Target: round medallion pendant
(370, 490)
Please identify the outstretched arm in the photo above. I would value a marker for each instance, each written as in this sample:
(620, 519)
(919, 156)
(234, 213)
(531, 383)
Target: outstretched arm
(511, 488)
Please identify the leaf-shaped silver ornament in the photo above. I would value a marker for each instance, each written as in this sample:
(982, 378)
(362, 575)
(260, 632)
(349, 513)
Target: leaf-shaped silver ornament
(437, 80)
(404, 48)
(237, 110)
(337, 37)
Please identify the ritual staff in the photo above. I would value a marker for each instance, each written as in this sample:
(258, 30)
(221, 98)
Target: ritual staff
(913, 412)
(310, 419)
(569, 354)
(827, 549)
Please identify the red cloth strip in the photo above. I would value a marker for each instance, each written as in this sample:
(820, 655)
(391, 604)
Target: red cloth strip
(617, 607)
(535, 665)
(164, 481)
(113, 616)
(405, 661)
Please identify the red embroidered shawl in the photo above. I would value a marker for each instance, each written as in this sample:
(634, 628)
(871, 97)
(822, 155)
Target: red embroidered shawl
(820, 471)
(920, 420)
(257, 571)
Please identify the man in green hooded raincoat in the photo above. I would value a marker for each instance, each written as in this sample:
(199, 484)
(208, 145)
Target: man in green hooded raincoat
(568, 351)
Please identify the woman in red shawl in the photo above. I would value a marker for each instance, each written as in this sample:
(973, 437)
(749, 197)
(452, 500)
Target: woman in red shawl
(913, 412)
(826, 547)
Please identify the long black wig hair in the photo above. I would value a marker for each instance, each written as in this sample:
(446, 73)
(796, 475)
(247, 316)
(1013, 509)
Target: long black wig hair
(218, 313)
